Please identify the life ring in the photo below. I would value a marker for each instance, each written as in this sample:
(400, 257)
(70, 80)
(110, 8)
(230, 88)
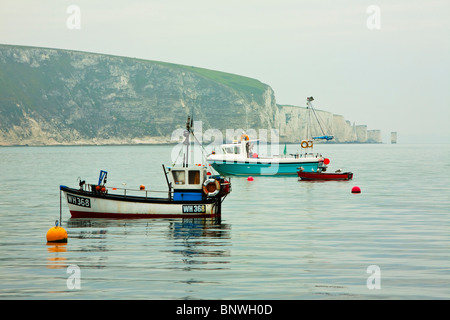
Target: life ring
(245, 137)
(307, 144)
(211, 187)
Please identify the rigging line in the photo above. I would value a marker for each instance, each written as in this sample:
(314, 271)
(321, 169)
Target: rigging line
(201, 145)
(315, 114)
(309, 122)
(191, 131)
(179, 153)
(181, 149)
(204, 153)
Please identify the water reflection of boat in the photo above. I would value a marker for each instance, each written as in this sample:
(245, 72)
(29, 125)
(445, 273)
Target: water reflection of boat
(193, 192)
(198, 227)
(199, 242)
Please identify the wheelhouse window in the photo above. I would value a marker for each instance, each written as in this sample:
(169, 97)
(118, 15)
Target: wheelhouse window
(179, 176)
(194, 177)
(232, 150)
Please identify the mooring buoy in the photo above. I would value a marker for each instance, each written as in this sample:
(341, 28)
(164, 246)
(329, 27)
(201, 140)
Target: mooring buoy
(356, 189)
(57, 234)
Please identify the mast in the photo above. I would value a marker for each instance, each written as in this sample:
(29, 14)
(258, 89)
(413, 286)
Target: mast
(187, 142)
(308, 125)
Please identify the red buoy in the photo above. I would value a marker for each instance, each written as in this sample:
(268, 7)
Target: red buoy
(356, 189)
(250, 178)
(326, 161)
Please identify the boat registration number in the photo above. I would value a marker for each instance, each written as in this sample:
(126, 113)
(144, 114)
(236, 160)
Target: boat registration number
(201, 208)
(79, 201)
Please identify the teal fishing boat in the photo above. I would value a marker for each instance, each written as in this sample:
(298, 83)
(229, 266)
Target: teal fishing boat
(237, 159)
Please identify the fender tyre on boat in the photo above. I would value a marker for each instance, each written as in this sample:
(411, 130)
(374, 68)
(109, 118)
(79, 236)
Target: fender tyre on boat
(211, 187)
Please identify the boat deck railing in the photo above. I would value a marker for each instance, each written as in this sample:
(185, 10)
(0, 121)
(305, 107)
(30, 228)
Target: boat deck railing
(125, 191)
(141, 192)
(306, 155)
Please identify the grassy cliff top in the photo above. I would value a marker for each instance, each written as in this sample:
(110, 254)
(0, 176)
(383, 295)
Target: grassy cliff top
(237, 82)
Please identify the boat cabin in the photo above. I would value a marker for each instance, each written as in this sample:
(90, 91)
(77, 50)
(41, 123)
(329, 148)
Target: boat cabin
(187, 182)
(241, 148)
(188, 178)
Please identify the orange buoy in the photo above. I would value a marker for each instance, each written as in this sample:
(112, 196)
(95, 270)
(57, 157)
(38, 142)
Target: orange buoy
(57, 234)
(142, 187)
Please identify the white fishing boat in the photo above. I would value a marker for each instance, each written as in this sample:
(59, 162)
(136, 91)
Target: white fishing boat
(193, 192)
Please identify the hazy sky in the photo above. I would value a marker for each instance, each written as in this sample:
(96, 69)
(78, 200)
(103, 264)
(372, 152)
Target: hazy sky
(381, 63)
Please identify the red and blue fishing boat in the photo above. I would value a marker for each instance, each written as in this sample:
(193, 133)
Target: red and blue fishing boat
(193, 192)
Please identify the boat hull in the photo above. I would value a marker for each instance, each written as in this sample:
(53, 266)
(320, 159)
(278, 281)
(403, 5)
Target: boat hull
(325, 176)
(244, 168)
(85, 204)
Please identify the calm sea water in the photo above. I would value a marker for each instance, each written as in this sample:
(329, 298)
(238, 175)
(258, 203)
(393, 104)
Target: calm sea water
(278, 238)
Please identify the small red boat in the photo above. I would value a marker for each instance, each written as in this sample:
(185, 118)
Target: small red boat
(324, 175)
